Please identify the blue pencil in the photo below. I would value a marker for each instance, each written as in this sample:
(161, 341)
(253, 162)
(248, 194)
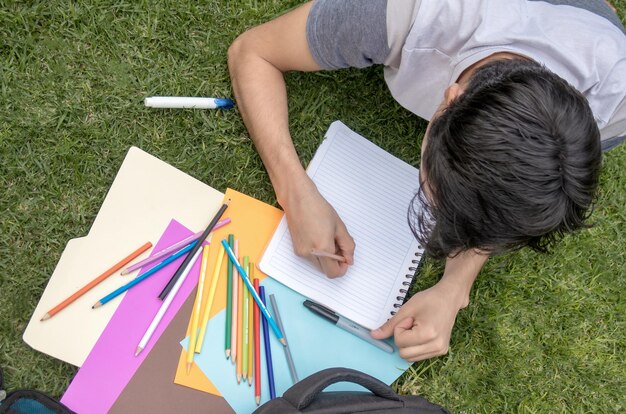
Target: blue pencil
(138, 279)
(257, 299)
(268, 350)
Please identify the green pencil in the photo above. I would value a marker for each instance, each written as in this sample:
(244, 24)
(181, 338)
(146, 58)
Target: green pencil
(229, 299)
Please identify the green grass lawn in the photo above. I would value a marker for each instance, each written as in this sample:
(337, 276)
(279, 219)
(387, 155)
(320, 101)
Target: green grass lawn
(543, 333)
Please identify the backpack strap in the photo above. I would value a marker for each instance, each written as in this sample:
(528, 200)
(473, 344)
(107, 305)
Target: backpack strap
(304, 392)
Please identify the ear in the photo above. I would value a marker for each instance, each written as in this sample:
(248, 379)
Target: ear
(452, 92)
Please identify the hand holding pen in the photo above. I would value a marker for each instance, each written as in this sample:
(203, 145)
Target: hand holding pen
(314, 224)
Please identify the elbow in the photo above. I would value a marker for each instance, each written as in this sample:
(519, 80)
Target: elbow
(238, 50)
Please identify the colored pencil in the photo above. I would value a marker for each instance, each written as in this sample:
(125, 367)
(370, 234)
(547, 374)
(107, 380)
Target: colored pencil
(268, 349)
(143, 277)
(80, 292)
(239, 329)
(234, 327)
(245, 331)
(229, 301)
(244, 277)
(257, 348)
(292, 366)
(320, 253)
(209, 305)
(250, 329)
(197, 307)
(166, 304)
(171, 249)
(196, 248)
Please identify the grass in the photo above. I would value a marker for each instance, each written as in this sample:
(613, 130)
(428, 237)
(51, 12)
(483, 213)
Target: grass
(543, 333)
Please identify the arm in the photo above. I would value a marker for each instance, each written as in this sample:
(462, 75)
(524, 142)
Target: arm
(257, 61)
(423, 326)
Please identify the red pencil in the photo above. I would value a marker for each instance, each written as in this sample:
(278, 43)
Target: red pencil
(257, 348)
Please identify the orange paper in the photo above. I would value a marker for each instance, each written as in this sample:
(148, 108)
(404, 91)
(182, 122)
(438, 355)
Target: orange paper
(253, 223)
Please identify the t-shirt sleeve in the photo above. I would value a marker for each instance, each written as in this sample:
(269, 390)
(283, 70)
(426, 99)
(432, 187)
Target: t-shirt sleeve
(348, 33)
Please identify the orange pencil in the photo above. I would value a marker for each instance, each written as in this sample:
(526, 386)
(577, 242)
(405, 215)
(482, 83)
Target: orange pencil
(257, 346)
(250, 350)
(240, 288)
(97, 280)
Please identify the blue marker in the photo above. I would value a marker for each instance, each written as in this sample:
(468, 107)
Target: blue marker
(182, 102)
(138, 279)
(257, 299)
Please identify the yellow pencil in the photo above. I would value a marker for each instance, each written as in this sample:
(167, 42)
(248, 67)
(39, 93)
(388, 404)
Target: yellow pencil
(240, 289)
(209, 304)
(246, 326)
(195, 315)
(250, 328)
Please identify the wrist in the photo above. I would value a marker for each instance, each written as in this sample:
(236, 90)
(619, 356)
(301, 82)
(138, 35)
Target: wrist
(292, 186)
(457, 294)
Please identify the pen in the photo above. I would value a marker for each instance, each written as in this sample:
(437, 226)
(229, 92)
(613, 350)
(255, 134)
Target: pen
(347, 325)
(182, 102)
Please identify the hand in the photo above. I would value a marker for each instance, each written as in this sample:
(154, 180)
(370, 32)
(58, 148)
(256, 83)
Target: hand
(423, 325)
(314, 224)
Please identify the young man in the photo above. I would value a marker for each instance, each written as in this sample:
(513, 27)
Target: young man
(521, 95)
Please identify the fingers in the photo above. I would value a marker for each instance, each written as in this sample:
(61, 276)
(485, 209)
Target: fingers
(398, 322)
(331, 267)
(420, 342)
(345, 243)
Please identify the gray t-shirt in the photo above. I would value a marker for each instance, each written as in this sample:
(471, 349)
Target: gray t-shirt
(426, 44)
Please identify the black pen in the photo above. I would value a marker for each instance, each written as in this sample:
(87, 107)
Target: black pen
(347, 325)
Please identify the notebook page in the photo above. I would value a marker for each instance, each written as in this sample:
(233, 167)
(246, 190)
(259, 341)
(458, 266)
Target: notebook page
(371, 190)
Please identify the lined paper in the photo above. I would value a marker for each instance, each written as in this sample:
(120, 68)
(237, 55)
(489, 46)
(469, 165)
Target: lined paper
(371, 190)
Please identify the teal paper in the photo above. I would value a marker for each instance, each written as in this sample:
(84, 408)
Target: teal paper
(315, 344)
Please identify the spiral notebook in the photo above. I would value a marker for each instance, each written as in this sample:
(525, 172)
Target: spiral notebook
(371, 190)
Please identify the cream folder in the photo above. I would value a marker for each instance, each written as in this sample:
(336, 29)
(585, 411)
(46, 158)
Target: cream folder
(146, 194)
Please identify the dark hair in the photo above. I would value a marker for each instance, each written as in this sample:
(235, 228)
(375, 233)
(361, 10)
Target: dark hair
(513, 161)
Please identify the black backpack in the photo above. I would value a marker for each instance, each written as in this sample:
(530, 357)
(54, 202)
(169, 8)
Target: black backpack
(307, 396)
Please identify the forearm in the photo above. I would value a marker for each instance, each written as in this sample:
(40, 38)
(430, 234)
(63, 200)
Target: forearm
(459, 275)
(262, 100)
(257, 60)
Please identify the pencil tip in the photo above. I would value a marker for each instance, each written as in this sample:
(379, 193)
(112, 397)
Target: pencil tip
(258, 400)
(45, 317)
(138, 351)
(283, 341)
(227, 202)
(250, 381)
(238, 379)
(96, 305)
(188, 367)
(124, 272)
(227, 353)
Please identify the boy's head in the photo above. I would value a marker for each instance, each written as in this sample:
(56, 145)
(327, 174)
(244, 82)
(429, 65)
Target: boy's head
(512, 161)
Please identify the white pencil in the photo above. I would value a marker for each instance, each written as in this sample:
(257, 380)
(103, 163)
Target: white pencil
(166, 304)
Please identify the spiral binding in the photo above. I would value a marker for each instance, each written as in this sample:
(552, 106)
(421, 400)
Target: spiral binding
(400, 298)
